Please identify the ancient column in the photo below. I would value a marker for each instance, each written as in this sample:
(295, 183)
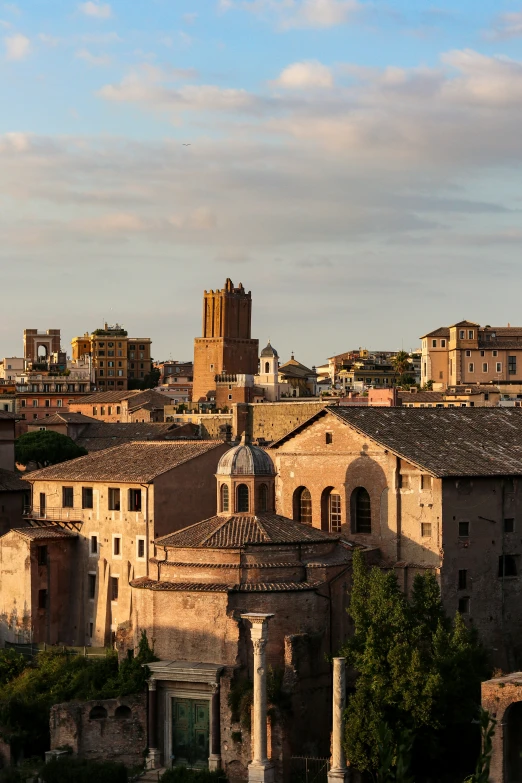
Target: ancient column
(214, 761)
(338, 771)
(153, 759)
(260, 770)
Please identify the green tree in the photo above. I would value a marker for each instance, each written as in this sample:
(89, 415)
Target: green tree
(46, 447)
(401, 362)
(417, 671)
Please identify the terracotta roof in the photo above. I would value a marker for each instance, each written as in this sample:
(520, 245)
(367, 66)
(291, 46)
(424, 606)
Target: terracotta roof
(12, 482)
(202, 587)
(421, 396)
(104, 434)
(40, 533)
(7, 415)
(109, 396)
(237, 531)
(149, 397)
(64, 418)
(442, 331)
(132, 462)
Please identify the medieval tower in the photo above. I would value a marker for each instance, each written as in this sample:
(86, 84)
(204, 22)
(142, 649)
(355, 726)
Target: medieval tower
(226, 345)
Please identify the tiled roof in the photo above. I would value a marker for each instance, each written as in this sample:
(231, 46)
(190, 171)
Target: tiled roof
(148, 397)
(499, 343)
(422, 396)
(202, 587)
(237, 531)
(40, 533)
(442, 331)
(104, 434)
(445, 441)
(109, 396)
(7, 415)
(12, 482)
(64, 418)
(132, 462)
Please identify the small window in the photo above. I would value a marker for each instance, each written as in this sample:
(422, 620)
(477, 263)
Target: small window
(507, 566)
(471, 367)
(329, 437)
(115, 582)
(42, 599)
(134, 499)
(463, 579)
(470, 334)
(463, 605)
(42, 555)
(98, 713)
(303, 506)
(334, 512)
(512, 365)
(443, 343)
(509, 525)
(116, 546)
(91, 586)
(483, 353)
(118, 409)
(122, 712)
(225, 498)
(229, 396)
(498, 367)
(242, 495)
(494, 353)
(426, 529)
(67, 497)
(87, 498)
(91, 630)
(484, 366)
(262, 498)
(468, 353)
(140, 548)
(114, 499)
(94, 545)
(404, 481)
(361, 511)
(433, 343)
(462, 334)
(463, 529)
(425, 481)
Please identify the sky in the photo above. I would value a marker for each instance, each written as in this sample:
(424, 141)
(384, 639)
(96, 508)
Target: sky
(354, 163)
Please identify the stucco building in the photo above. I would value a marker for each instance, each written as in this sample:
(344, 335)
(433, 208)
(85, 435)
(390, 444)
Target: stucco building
(117, 359)
(123, 406)
(432, 489)
(104, 511)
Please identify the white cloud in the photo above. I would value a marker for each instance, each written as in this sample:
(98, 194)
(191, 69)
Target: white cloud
(48, 40)
(299, 13)
(304, 75)
(96, 10)
(93, 59)
(509, 25)
(17, 47)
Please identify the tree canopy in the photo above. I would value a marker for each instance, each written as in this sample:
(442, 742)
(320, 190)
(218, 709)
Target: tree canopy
(46, 447)
(416, 671)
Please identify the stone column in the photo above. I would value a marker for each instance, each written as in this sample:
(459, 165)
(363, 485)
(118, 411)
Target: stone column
(214, 761)
(338, 771)
(153, 759)
(260, 770)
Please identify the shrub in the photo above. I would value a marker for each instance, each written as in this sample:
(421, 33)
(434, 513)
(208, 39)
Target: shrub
(74, 770)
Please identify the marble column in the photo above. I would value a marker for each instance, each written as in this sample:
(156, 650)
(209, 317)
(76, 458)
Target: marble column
(214, 761)
(153, 759)
(260, 770)
(338, 771)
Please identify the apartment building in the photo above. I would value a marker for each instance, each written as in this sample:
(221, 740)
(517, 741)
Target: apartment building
(119, 362)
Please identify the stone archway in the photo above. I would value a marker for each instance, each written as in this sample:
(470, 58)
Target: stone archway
(502, 698)
(513, 743)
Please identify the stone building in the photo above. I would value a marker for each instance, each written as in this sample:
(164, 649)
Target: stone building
(123, 406)
(112, 504)
(117, 360)
(202, 580)
(226, 345)
(502, 698)
(40, 346)
(432, 489)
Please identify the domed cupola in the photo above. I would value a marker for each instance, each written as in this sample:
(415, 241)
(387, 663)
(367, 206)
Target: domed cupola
(245, 477)
(269, 351)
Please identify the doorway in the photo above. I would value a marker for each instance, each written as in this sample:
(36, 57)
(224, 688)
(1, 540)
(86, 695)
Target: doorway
(190, 732)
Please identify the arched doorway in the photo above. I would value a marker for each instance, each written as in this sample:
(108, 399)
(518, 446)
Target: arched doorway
(513, 743)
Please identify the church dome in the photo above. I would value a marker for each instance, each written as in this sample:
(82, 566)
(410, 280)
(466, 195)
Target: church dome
(245, 460)
(269, 351)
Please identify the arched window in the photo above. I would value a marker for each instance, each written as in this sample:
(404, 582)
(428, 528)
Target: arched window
(123, 712)
(330, 510)
(303, 506)
(225, 498)
(262, 497)
(267, 367)
(361, 511)
(98, 713)
(242, 503)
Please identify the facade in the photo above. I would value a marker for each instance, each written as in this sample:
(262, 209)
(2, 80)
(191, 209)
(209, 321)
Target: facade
(297, 380)
(124, 406)
(14, 494)
(365, 373)
(267, 378)
(206, 584)
(502, 698)
(486, 396)
(226, 345)
(40, 346)
(432, 489)
(467, 353)
(118, 361)
(173, 372)
(114, 503)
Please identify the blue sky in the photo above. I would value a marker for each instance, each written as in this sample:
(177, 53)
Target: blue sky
(355, 164)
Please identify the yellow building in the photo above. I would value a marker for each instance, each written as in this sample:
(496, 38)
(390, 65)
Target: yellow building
(119, 362)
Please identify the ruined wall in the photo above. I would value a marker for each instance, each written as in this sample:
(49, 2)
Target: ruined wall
(497, 697)
(114, 729)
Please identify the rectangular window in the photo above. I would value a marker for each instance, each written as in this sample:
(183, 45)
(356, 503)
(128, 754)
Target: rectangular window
(102, 410)
(462, 334)
(91, 629)
(67, 497)
(484, 366)
(42, 555)
(498, 367)
(87, 497)
(94, 544)
(433, 343)
(463, 529)
(483, 353)
(512, 365)
(114, 499)
(109, 410)
(35, 403)
(464, 605)
(42, 599)
(426, 529)
(471, 367)
(425, 481)
(134, 499)
(91, 586)
(404, 481)
(443, 343)
(140, 548)
(94, 410)
(116, 546)
(494, 353)
(114, 588)
(470, 335)
(59, 403)
(118, 410)
(468, 353)
(48, 403)
(509, 525)
(329, 437)
(463, 579)
(23, 403)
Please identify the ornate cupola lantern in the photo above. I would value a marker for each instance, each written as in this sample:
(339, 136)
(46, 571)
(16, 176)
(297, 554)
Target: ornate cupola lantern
(245, 481)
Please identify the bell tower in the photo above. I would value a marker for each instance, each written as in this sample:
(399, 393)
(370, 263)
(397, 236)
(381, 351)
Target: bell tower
(226, 345)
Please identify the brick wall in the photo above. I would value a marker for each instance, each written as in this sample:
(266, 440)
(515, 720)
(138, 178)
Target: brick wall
(119, 735)
(272, 420)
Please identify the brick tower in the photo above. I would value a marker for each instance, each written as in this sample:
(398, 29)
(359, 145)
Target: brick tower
(226, 345)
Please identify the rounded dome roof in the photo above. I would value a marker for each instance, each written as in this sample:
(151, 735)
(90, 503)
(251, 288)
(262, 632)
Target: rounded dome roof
(245, 459)
(269, 351)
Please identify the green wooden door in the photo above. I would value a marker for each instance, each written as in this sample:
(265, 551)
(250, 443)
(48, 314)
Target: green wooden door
(190, 732)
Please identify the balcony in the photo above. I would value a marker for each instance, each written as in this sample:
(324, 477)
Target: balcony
(69, 518)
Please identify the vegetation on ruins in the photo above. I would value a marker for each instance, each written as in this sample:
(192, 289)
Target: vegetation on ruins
(30, 688)
(417, 671)
(46, 447)
(66, 769)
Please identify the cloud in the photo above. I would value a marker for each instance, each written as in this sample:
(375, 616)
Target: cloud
(48, 40)
(508, 25)
(189, 18)
(17, 47)
(96, 10)
(93, 59)
(319, 14)
(304, 75)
